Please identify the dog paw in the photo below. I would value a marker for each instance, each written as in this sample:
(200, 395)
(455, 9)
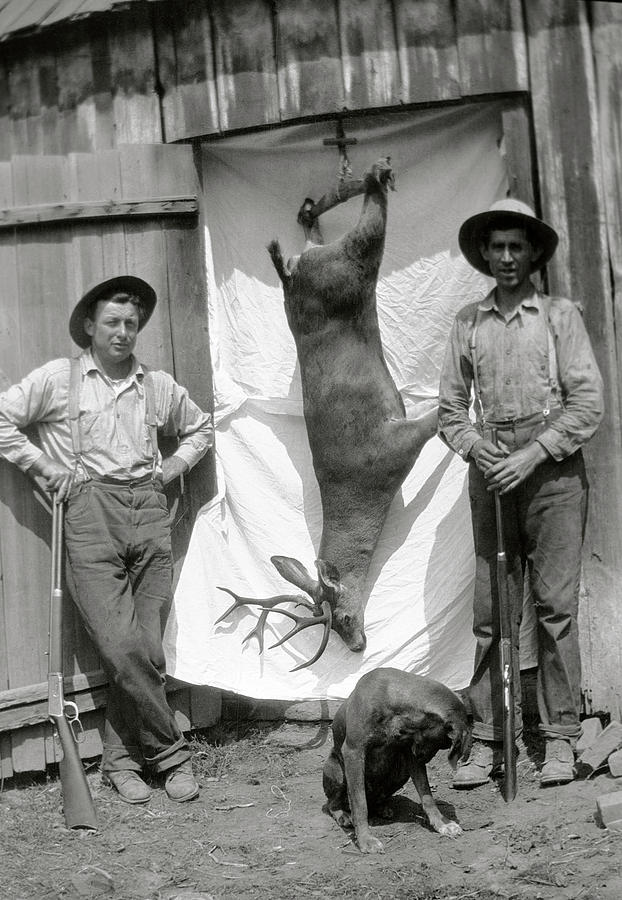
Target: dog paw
(370, 844)
(449, 829)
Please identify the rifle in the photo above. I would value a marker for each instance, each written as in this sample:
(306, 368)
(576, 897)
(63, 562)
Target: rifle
(78, 807)
(506, 655)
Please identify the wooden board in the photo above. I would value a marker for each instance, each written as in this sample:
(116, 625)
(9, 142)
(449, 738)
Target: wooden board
(368, 53)
(244, 56)
(308, 58)
(47, 267)
(186, 67)
(428, 58)
(492, 50)
(571, 186)
(607, 44)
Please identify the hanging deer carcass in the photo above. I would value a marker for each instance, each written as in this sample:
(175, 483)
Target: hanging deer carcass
(362, 444)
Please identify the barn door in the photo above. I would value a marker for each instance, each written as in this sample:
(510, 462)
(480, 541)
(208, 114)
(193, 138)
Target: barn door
(67, 222)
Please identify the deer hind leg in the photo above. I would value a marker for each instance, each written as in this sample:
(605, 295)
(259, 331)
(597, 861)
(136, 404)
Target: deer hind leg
(310, 224)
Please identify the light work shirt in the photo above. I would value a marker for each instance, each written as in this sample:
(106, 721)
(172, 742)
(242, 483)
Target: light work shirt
(115, 440)
(513, 373)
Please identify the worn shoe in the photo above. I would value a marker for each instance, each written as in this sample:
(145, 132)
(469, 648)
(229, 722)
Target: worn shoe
(479, 767)
(180, 784)
(129, 786)
(558, 765)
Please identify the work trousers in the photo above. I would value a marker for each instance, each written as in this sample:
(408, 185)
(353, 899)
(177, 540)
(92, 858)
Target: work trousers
(543, 528)
(119, 548)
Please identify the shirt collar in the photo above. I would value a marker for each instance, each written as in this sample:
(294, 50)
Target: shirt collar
(488, 304)
(87, 364)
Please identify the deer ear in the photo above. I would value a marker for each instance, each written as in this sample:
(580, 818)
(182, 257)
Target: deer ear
(294, 572)
(328, 574)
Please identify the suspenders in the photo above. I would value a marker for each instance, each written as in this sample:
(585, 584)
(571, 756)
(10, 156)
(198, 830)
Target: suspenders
(73, 413)
(552, 359)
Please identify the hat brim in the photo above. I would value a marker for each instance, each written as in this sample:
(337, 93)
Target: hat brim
(470, 236)
(127, 283)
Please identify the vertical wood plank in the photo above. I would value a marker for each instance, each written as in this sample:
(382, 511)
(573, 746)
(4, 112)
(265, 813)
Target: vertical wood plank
(5, 109)
(136, 106)
(42, 266)
(9, 344)
(369, 53)
(308, 58)
(244, 55)
(426, 36)
(492, 50)
(517, 149)
(571, 179)
(184, 46)
(607, 47)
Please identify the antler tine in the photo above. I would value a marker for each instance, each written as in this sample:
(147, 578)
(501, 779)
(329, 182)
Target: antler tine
(324, 618)
(266, 604)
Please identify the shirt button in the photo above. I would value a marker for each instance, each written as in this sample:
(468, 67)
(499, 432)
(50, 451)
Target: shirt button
(508, 381)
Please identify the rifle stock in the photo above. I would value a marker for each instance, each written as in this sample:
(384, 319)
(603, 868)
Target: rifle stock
(78, 807)
(506, 658)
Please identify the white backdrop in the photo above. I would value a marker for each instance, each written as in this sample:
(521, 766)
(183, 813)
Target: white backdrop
(418, 617)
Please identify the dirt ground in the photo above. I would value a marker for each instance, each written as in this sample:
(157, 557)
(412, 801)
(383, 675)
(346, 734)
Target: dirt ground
(258, 831)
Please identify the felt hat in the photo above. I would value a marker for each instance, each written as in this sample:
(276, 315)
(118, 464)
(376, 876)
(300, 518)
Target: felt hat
(504, 211)
(129, 284)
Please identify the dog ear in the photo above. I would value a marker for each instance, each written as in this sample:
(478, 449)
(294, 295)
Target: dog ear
(461, 740)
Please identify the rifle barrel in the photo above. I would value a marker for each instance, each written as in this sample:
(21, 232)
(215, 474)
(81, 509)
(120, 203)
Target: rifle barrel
(78, 807)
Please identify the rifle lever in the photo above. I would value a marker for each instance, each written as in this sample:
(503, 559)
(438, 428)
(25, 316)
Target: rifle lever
(72, 715)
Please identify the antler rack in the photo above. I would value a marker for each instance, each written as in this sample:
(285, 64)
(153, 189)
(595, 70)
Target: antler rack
(321, 614)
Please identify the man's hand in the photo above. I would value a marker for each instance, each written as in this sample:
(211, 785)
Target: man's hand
(172, 468)
(57, 478)
(485, 454)
(511, 471)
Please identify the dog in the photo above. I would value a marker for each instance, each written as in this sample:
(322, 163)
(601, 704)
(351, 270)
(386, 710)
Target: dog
(386, 732)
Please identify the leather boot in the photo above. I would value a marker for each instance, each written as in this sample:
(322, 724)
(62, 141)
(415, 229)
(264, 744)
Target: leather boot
(129, 786)
(558, 765)
(480, 766)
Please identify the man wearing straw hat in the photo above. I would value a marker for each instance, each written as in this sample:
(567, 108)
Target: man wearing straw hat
(528, 360)
(98, 418)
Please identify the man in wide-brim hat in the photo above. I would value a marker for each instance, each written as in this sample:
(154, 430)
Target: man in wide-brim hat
(98, 418)
(538, 397)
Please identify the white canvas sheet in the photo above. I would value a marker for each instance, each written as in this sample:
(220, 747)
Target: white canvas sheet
(448, 165)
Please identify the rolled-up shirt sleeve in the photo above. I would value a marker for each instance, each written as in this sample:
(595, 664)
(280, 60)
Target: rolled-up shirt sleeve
(22, 404)
(187, 421)
(455, 426)
(580, 380)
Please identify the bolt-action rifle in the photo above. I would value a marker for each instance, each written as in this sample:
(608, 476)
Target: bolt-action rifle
(506, 656)
(78, 807)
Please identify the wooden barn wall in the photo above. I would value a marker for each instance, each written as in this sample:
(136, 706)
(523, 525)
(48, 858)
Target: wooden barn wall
(573, 146)
(183, 69)
(174, 70)
(69, 221)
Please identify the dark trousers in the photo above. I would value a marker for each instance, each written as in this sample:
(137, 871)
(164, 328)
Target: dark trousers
(119, 549)
(544, 522)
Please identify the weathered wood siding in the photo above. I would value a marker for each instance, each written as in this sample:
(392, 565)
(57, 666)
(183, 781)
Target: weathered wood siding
(175, 70)
(46, 268)
(573, 188)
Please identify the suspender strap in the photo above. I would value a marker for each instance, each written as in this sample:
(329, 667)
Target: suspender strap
(150, 416)
(473, 349)
(73, 403)
(73, 412)
(553, 379)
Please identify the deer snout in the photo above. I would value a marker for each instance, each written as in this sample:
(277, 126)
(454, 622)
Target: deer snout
(350, 630)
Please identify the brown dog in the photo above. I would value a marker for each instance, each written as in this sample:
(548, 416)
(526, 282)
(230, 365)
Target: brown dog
(386, 732)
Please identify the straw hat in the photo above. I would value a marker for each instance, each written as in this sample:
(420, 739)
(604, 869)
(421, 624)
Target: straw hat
(502, 212)
(129, 284)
